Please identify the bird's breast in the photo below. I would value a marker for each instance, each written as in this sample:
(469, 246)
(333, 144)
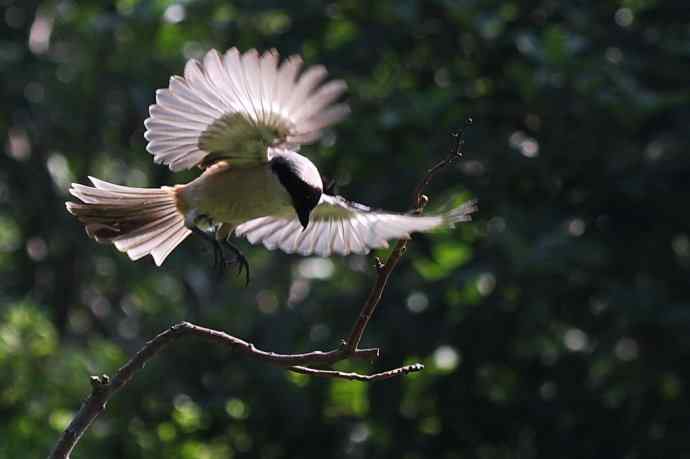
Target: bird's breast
(236, 194)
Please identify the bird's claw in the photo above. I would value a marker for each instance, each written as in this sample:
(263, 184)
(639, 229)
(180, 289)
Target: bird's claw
(238, 258)
(242, 264)
(220, 260)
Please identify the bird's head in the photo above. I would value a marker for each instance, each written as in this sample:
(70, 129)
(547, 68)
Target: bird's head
(301, 179)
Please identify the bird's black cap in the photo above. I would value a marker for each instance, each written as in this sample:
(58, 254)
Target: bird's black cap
(304, 196)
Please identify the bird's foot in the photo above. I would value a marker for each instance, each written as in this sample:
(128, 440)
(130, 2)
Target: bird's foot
(221, 260)
(238, 258)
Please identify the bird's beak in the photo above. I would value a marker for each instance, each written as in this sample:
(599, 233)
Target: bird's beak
(304, 219)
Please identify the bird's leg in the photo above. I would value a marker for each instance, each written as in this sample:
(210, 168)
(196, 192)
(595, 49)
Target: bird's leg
(192, 221)
(218, 264)
(238, 257)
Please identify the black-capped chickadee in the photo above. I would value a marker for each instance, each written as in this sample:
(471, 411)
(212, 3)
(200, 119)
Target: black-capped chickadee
(241, 118)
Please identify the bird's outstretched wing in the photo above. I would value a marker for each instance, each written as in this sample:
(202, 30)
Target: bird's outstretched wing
(338, 226)
(233, 106)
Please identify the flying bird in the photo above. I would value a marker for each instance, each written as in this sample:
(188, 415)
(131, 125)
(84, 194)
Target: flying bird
(241, 118)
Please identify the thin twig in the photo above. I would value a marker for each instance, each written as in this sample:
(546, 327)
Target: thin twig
(103, 387)
(455, 154)
(419, 200)
(356, 376)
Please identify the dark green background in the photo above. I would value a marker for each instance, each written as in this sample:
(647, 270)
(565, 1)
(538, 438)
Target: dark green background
(557, 325)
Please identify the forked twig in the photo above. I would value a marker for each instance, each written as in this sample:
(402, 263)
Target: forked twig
(419, 201)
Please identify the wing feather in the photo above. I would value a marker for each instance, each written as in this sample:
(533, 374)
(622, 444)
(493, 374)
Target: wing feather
(233, 66)
(286, 81)
(251, 74)
(214, 78)
(324, 96)
(269, 69)
(338, 226)
(236, 106)
(306, 84)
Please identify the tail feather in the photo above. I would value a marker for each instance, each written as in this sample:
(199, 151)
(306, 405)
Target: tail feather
(145, 233)
(139, 221)
(163, 250)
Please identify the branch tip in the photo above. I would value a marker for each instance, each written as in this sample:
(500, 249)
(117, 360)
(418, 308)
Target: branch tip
(413, 367)
(99, 382)
(378, 264)
(422, 201)
(180, 326)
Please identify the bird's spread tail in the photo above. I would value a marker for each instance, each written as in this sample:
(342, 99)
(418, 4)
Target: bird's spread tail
(139, 221)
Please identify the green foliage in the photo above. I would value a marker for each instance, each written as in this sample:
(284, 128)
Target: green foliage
(555, 325)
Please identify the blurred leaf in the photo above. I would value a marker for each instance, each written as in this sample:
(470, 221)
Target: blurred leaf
(447, 257)
(347, 398)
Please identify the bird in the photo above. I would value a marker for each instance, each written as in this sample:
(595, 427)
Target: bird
(241, 118)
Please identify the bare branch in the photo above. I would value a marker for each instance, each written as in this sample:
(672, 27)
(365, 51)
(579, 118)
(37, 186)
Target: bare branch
(103, 387)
